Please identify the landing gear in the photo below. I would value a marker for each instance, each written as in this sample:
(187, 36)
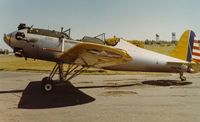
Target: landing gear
(48, 84)
(183, 78)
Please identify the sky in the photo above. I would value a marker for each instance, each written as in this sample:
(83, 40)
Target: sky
(129, 19)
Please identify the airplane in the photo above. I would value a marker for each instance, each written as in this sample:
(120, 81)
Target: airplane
(115, 54)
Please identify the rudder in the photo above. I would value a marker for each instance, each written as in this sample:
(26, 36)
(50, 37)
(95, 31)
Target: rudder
(196, 51)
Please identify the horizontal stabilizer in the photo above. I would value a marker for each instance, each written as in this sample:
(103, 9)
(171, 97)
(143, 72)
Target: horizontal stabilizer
(192, 67)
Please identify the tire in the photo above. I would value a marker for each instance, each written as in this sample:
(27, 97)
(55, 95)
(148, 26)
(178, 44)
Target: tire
(183, 78)
(47, 85)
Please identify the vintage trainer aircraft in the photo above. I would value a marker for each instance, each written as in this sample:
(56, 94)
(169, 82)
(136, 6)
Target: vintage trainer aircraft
(117, 54)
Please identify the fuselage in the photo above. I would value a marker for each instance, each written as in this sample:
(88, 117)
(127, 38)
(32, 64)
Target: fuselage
(39, 45)
(148, 61)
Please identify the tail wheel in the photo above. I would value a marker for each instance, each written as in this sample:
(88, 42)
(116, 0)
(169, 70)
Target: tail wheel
(183, 78)
(47, 85)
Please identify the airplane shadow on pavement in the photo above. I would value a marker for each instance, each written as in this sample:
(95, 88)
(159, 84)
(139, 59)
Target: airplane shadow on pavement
(166, 82)
(68, 95)
(64, 95)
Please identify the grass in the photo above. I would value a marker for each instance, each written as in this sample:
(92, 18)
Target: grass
(12, 63)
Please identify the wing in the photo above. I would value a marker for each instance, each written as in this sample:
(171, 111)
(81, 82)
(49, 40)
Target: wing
(95, 55)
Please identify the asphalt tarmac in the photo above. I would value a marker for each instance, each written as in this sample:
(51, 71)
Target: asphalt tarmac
(101, 98)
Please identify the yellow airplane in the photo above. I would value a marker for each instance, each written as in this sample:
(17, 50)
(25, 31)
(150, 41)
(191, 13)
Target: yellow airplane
(59, 47)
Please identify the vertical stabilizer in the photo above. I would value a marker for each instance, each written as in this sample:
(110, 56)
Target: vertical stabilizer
(184, 48)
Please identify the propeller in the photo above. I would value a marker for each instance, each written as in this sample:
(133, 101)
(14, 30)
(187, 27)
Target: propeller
(62, 37)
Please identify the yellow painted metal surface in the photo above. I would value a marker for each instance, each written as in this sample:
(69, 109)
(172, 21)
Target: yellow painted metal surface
(95, 55)
(181, 50)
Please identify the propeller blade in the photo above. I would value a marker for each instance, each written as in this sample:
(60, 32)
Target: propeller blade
(62, 29)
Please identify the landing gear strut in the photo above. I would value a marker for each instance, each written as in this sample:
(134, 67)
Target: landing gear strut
(48, 84)
(183, 78)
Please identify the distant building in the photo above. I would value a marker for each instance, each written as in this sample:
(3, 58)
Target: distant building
(174, 36)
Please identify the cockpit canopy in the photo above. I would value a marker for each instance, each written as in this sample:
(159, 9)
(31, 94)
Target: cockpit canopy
(92, 40)
(100, 39)
(44, 32)
(51, 33)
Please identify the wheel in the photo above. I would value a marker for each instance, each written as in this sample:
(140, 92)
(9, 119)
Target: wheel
(44, 79)
(47, 85)
(183, 78)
